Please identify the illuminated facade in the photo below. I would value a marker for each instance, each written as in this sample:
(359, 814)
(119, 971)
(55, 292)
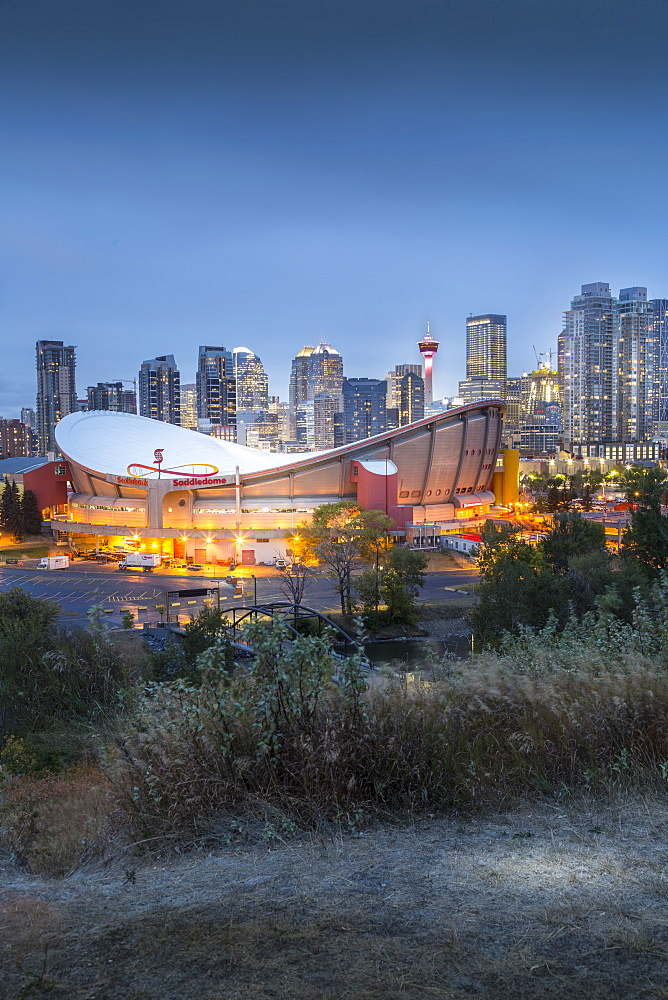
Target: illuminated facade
(251, 379)
(486, 375)
(189, 406)
(411, 398)
(486, 347)
(214, 499)
(393, 380)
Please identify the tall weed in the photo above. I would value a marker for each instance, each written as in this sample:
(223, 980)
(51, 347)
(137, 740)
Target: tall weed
(519, 724)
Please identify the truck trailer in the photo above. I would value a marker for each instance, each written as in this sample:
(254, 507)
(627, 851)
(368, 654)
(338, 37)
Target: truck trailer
(54, 562)
(140, 560)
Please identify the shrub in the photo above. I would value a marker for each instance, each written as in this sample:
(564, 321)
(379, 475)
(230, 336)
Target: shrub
(16, 757)
(48, 674)
(505, 727)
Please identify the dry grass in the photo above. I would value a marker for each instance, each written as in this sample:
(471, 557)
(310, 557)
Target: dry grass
(131, 647)
(27, 923)
(486, 738)
(447, 909)
(52, 824)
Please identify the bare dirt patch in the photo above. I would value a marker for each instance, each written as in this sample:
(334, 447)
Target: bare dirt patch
(551, 901)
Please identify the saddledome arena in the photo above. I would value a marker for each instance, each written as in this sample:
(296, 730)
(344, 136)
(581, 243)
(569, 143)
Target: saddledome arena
(140, 483)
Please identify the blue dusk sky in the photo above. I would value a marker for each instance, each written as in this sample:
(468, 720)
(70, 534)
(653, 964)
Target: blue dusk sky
(271, 173)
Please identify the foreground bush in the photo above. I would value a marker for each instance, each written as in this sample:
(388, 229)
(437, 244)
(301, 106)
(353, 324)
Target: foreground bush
(51, 675)
(283, 736)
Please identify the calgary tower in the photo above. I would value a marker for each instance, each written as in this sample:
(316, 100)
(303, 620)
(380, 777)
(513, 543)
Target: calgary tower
(428, 347)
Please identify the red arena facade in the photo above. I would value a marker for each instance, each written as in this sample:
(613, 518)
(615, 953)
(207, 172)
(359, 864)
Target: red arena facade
(141, 483)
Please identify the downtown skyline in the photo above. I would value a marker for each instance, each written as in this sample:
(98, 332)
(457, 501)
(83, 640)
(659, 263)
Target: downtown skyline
(276, 175)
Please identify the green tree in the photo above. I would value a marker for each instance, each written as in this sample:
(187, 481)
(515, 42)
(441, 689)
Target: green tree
(31, 514)
(571, 535)
(516, 588)
(200, 632)
(646, 538)
(587, 496)
(18, 606)
(395, 584)
(344, 535)
(401, 581)
(645, 487)
(11, 514)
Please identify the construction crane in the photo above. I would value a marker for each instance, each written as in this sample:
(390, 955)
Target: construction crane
(544, 354)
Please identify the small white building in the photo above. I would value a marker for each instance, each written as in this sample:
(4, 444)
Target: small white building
(467, 546)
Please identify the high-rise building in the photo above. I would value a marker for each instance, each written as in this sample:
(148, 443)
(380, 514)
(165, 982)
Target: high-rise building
(393, 378)
(251, 379)
(542, 387)
(411, 398)
(428, 348)
(610, 368)
(160, 389)
(325, 371)
(326, 407)
(305, 425)
(216, 389)
(314, 370)
(299, 378)
(285, 428)
(111, 396)
(317, 421)
(636, 346)
(364, 408)
(17, 440)
(252, 390)
(539, 428)
(189, 406)
(541, 431)
(56, 390)
(263, 432)
(486, 375)
(588, 367)
(28, 417)
(516, 398)
(486, 347)
(659, 321)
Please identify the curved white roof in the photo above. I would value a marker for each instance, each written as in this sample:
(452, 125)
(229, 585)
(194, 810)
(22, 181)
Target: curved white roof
(111, 443)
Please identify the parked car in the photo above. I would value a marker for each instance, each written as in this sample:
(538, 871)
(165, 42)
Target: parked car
(280, 564)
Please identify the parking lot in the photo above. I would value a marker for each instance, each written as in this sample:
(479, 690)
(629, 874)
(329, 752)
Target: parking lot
(87, 585)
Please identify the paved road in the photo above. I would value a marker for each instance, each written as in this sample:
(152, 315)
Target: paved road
(76, 590)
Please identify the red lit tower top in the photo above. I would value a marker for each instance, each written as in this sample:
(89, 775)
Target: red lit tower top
(428, 348)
